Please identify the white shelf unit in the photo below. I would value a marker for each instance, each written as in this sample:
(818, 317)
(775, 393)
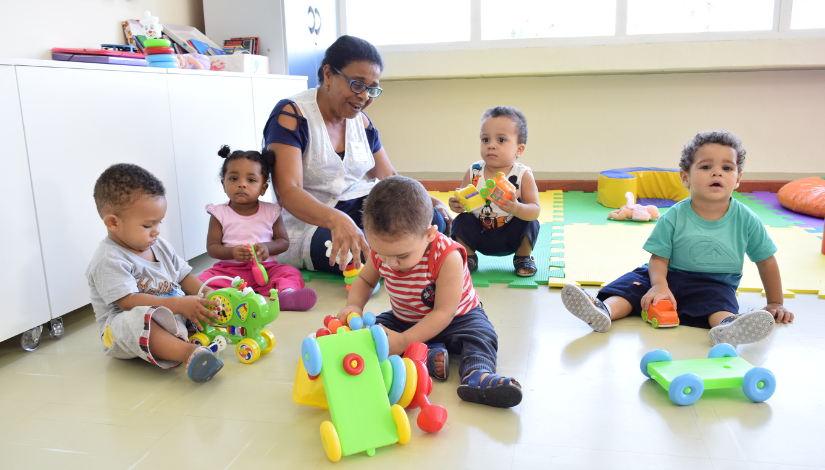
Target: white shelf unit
(63, 124)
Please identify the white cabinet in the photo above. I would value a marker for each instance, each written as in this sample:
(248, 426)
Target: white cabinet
(208, 111)
(62, 124)
(22, 274)
(77, 123)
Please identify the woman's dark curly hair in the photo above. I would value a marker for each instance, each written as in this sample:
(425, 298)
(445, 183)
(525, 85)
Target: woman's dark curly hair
(265, 158)
(348, 49)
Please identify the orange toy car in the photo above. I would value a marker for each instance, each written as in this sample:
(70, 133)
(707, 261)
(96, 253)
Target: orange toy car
(497, 188)
(661, 315)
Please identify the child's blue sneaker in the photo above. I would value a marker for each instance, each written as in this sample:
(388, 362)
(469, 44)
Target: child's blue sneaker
(589, 310)
(743, 328)
(202, 365)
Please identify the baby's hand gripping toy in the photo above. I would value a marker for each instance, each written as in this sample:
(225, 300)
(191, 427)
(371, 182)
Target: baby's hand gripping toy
(242, 318)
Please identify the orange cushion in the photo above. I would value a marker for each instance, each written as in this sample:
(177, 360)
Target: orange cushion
(806, 196)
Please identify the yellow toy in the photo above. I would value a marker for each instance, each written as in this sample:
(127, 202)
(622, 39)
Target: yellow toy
(469, 197)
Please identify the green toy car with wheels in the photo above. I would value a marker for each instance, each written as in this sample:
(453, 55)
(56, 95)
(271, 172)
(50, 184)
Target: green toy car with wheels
(685, 381)
(242, 318)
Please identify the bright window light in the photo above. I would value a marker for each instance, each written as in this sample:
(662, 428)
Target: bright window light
(514, 19)
(694, 16)
(808, 14)
(404, 22)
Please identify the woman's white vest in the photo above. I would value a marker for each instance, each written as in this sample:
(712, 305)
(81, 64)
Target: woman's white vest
(326, 176)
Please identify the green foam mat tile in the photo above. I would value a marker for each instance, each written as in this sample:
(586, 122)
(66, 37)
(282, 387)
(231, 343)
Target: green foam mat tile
(499, 269)
(584, 208)
(769, 217)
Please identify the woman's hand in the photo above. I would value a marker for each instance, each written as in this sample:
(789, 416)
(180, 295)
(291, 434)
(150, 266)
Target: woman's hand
(442, 209)
(346, 237)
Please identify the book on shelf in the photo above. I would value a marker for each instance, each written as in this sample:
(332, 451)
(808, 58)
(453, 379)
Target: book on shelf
(248, 43)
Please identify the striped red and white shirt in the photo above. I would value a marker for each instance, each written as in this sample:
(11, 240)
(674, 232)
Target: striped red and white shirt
(412, 294)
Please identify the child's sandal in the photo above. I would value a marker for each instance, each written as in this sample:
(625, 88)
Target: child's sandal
(472, 262)
(433, 351)
(525, 262)
(202, 365)
(488, 391)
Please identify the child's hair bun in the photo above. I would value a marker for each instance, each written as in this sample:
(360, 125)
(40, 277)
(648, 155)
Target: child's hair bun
(224, 151)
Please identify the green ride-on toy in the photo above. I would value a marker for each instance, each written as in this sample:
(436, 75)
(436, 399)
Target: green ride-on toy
(242, 317)
(357, 384)
(685, 381)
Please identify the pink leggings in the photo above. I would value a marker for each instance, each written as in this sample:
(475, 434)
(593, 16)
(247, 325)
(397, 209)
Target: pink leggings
(281, 276)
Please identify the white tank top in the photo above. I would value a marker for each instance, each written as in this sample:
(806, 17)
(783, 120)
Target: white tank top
(489, 214)
(326, 177)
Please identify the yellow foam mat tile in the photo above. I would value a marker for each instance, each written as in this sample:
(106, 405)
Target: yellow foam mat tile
(551, 207)
(598, 254)
(443, 197)
(801, 263)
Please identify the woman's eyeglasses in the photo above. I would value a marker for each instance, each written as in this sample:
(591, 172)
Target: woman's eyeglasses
(358, 86)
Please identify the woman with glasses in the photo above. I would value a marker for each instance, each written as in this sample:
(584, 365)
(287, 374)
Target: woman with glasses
(328, 157)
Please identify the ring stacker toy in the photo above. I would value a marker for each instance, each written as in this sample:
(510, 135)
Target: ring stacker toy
(661, 315)
(242, 318)
(350, 271)
(686, 380)
(159, 53)
(382, 383)
(258, 271)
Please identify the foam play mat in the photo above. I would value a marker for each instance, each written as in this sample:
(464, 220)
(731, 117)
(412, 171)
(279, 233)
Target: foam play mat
(589, 260)
(771, 202)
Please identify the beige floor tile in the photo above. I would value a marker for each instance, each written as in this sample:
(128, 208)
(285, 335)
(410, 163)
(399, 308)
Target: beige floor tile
(586, 403)
(530, 457)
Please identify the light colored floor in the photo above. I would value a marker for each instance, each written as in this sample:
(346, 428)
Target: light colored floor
(586, 404)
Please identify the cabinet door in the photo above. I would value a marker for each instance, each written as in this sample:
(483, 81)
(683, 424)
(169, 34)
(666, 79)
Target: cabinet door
(300, 23)
(79, 122)
(208, 111)
(326, 30)
(22, 273)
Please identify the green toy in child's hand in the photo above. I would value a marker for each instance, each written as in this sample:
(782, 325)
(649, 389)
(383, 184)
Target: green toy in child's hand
(258, 271)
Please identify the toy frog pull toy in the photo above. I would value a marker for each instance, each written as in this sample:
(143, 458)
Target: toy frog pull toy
(243, 316)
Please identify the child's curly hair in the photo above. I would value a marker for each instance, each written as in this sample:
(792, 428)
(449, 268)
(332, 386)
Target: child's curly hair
(266, 158)
(397, 206)
(121, 185)
(723, 137)
(514, 114)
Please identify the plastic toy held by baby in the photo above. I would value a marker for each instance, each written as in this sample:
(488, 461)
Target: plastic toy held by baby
(469, 197)
(497, 188)
(242, 318)
(634, 212)
(661, 315)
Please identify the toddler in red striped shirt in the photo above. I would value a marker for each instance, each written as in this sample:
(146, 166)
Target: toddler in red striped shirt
(416, 262)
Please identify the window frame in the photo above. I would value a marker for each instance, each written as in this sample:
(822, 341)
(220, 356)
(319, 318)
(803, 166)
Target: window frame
(781, 30)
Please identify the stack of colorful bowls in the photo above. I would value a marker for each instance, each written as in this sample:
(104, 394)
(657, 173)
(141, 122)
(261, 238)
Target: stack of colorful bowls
(159, 53)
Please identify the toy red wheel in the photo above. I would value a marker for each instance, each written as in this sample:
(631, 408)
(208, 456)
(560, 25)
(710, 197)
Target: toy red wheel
(353, 364)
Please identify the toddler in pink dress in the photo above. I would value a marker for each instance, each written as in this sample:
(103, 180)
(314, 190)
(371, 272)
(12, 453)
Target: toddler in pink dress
(245, 219)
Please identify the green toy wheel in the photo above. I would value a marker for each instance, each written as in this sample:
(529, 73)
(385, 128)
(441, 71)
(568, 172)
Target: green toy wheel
(655, 322)
(329, 437)
(485, 193)
(644, 315)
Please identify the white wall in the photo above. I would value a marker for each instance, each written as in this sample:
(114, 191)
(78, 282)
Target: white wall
(32, 27)
(580, 125)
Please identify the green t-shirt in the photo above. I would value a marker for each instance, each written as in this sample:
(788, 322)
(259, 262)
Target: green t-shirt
(713, 248)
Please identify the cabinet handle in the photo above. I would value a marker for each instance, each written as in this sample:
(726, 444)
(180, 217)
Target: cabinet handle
(317, 22)
(311, 19)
